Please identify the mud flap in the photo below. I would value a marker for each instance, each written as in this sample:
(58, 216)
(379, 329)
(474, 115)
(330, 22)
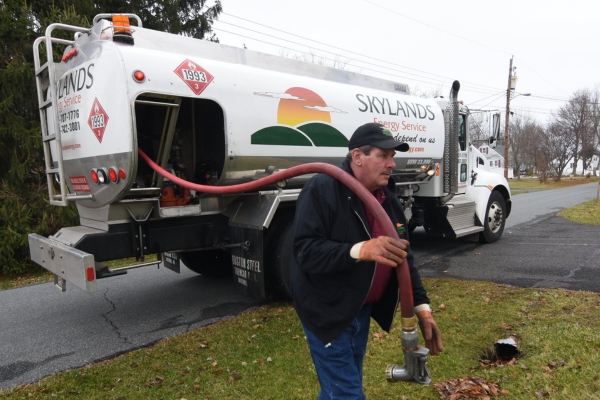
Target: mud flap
(171, 261)
(248, 262)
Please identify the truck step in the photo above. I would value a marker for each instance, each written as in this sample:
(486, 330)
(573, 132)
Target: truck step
(461, 214)
(468, 231)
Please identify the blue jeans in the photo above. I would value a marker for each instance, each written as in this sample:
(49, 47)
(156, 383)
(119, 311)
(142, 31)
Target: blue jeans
(339, 364)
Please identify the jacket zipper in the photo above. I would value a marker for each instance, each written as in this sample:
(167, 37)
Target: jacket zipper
(368, 234)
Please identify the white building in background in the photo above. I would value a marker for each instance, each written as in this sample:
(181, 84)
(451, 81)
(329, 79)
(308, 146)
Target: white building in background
(496, 161)
(591, 168)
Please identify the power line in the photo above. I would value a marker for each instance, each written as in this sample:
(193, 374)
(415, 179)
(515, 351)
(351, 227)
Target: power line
(436, 28)
(325, 51)
(548, 98)
(532, 70)
(435, 81)
(361, 67)
(329, 59)
(485, 98)
(395, 73)
(461, 37)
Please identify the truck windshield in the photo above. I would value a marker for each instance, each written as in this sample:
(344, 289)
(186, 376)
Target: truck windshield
(462, 133)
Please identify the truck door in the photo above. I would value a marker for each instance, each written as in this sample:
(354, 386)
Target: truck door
(463, 168)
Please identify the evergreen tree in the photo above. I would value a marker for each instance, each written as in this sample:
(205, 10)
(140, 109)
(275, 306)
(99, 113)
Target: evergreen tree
(24, 206)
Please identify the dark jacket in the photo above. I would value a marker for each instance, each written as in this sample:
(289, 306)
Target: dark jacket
(328, 286)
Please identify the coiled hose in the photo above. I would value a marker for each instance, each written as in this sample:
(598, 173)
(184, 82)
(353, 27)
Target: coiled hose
(402, 271)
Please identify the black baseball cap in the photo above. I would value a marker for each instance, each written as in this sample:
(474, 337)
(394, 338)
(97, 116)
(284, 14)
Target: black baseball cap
(375, 135)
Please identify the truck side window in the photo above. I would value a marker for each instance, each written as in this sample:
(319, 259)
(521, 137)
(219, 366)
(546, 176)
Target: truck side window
(462, 133)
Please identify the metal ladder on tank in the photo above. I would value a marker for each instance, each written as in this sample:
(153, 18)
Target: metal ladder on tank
(45, 77)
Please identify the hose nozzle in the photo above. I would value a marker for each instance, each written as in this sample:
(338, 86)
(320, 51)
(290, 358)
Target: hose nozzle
(415, 358)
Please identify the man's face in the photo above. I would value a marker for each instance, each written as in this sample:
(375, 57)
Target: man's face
(373, 170)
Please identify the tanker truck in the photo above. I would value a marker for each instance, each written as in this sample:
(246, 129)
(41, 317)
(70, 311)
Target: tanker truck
(130, 116)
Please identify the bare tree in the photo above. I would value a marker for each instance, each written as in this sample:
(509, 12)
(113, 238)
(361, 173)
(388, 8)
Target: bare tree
(577, 118)
(314, 58)
(516, 142)
(429, 92)
(480, 127)
(525, 135)
(558, 147)
(595, 109)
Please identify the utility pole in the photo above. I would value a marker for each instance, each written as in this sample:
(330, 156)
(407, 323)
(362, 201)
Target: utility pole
(510, 70)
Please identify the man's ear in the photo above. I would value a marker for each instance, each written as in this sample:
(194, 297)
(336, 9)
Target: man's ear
(357, 156)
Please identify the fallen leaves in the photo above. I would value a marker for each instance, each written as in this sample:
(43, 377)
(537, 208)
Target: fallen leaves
(469, 387)
(549, 368)
(496, 362)
(158, 380)
(235, 376)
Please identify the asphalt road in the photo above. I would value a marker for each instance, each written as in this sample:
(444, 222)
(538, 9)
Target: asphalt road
(537, 249)
(44, 331)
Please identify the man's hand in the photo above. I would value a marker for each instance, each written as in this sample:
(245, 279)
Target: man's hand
(430, 332)
(384, 250)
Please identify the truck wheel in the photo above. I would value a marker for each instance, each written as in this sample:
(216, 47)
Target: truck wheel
(213, 263)
(495, 218)
(279, 242)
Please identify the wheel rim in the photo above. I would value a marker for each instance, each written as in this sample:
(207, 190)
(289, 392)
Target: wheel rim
(495, 217)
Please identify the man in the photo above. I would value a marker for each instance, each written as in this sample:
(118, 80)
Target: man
(342, 270)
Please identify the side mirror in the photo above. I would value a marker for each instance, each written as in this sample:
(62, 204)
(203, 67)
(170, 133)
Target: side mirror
(496, 125)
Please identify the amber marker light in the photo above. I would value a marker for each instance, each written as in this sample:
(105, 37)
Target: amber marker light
(121, 24)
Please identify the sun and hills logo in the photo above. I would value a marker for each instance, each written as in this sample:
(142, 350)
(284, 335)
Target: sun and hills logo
(304, 120)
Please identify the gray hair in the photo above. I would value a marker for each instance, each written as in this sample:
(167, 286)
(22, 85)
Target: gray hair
(366, 150)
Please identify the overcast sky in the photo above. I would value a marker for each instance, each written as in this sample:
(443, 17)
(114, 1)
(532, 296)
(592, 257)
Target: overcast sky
(428, 44)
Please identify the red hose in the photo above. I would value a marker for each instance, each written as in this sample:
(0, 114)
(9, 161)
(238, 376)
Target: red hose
(402, 271)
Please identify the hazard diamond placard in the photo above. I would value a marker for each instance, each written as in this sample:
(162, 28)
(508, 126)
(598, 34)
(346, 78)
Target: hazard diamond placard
(98, 120)
(196, 77)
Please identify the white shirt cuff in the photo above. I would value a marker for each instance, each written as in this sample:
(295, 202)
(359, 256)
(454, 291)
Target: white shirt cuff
(422, 307)
(355, 250)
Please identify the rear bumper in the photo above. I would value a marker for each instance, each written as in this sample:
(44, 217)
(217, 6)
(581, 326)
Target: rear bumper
(65, 262)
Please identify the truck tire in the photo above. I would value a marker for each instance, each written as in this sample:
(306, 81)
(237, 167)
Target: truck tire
(279, 240)
(495, 219)
(213, 263)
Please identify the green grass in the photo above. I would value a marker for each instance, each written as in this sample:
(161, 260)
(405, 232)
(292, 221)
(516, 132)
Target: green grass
(263, 354)
(535, 184)
(585, 213)
(38, 276)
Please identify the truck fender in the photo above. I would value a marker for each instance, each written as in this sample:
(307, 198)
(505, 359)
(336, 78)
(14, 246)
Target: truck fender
(480, 192)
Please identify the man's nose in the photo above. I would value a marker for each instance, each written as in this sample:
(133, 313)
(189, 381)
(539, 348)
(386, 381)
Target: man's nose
(391, 164)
